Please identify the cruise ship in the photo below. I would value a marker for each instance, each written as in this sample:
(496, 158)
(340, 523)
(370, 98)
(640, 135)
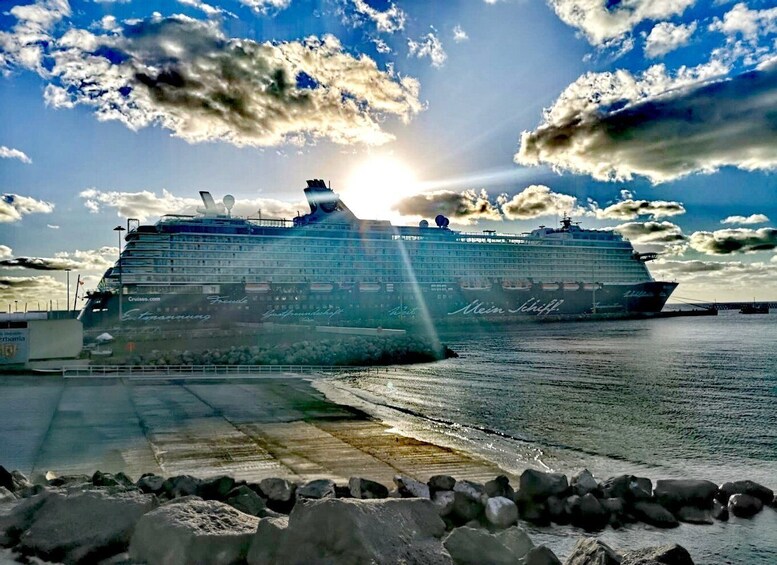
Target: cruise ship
(329, 267)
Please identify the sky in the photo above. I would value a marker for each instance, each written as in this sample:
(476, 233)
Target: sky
(654, 118)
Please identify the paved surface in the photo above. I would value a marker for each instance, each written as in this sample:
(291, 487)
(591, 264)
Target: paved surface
(250, 429)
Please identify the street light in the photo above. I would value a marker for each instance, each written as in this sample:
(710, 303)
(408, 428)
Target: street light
(120, 229)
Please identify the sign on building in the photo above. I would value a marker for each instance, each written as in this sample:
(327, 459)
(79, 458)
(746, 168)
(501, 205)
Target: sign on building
(14, 346)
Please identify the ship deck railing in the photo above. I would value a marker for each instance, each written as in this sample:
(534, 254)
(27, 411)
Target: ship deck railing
(214, 371)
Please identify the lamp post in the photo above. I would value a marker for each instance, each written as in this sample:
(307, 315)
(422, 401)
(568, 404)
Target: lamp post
(120, 229)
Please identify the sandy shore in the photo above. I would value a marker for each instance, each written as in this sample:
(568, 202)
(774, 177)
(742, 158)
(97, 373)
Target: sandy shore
(247, 428)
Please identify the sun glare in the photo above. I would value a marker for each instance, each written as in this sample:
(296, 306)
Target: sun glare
(376, 185)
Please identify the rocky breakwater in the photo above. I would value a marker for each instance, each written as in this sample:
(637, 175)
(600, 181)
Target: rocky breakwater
(176, 520)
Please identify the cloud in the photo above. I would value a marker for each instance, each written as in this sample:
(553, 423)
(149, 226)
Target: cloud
(727, 280)
(465, 207)
(657, 236)
(749, 24)
(538, 200)
(390, 20)
(666, 37)
(9, 153)
(751, 219)
(266, 6)
(30, 289)
(5, 252)
(459, 34)
(145, 204)
(603, 20)
(734, 240)
(615, 125)
(14, 206)
(87, 260)
(25, 45)
(430, 46)
(52, 226)
(631, 209)
(185, 75)
(207, 9)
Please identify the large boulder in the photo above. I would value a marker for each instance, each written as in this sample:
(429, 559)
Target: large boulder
(366, 489)
(246, 501)
(444, 501)
(181, 485)
(151, 484)
(317, 489)
(676, 493)
(471, 489)
(13, 480)
(100, 479)
(195, 531)
(693, 515)
(465, 508)
(355, 531)
(441, 482)
(588, 513)
(591, 551)
(268, 537)
(16, 517)
(501, 512)
(744, 505)
(475, 546)
(537, 485)
(410, 488)
(583, 482)
(654, 514)
(499, 486)
(6, 495)
(559, 511)
(279, 493)
(533, 511)
(85, 526)
(751, 488)
(541, 555)
(671, 554)
(216, 488)
(719, 511)
(68, 480)
(627, 487)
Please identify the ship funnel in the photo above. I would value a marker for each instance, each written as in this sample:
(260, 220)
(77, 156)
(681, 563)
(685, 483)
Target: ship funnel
(209, 205)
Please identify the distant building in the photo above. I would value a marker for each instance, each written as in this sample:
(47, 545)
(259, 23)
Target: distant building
(38, 339)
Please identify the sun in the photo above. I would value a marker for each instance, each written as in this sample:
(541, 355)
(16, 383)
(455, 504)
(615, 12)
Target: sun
(376, 185)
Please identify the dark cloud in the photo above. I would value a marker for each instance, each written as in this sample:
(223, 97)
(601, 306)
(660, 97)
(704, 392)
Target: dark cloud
(684, 129)
(654, 236)
(631, 209)
(738, 240)
(461, 207)
(39, 263)
(92, 259)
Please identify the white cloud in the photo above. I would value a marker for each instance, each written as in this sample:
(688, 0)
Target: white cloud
(751, 219)
(617, 125)
(24, 46)
(666, 37)
(630, 209)
(459, 34)
(14, 206)
(600, 21)
(664, 237)
(266, 6)
(204, 7)
(145, 204)
(747, 23)
(5, 252)
(390, 20)
(9, 153)
(430, 46)
(31, 290)
(538, 200)
(52, 226)
(734, 240)
(186, 76)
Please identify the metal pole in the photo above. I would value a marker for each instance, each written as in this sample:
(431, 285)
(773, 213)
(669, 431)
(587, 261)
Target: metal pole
(68, 288)
(120, 229)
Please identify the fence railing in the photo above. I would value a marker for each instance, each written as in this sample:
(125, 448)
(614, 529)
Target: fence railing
(211, 370)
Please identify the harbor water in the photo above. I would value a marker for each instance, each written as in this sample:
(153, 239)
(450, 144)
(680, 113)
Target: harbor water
(662, 398)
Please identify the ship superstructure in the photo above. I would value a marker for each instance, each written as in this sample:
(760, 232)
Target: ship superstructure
(330, 267)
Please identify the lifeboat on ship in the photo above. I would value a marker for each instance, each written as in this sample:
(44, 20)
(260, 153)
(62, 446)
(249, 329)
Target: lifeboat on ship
(369, 286)
(570, 286)
(475, 285)
(550, 286)
(591, 286)
(321, 287)
(257, 287)
(516, 285)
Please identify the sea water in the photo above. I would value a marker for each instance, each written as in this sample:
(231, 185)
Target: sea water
(663, 398)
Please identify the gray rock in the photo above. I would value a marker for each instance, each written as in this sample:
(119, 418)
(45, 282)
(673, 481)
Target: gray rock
(279, 494)
(471, 489)
(181, 485)
(654, 514)
(216, 488)
(500, 486)
(100, 479)
(533, 511)
(475, 546)
(16, 517)
(693, 515)
(587, 513)
(441, 482)
(541, 555)
(366, 489)
(537, 485)
(444, 501)
(613, 505)
(246, 501)
(6, 479)
(516, 540)
(195, 531)
(671, 554)
(465, 508)
(501, 512)
(151, 484)
(268, 537)
(583, 483)
(6, 495)
(351, 531)
(410, 488)
(13, 480)
(85, 526)
(558, 511)
(627, 487)
(68, 480)
(673, 493)
(591, 551)
(751, 488)
(317, 489)
(719, 511)
(744, 505)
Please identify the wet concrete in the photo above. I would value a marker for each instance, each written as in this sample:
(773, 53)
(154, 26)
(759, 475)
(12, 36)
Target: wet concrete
(246, 428)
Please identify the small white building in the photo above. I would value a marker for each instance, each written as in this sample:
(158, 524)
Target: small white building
(36, 340)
